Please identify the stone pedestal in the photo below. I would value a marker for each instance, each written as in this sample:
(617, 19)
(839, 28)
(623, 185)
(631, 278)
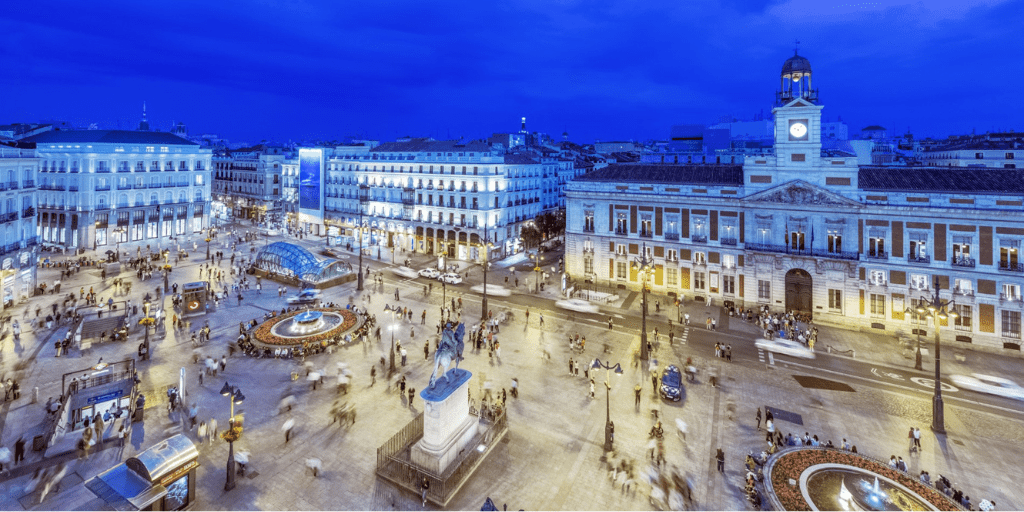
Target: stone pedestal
(448, 428)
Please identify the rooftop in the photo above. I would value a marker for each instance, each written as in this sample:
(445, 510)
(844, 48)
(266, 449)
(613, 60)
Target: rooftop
(728, 175)
(430, 145)
(108, 137)
(942, 179)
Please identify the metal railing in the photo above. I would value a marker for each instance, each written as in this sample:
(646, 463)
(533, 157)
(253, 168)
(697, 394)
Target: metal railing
(911, 258)
(962, 261)
(1011, 266)
(877, 255)
(728, 241)
(700, 239)
(393, 462)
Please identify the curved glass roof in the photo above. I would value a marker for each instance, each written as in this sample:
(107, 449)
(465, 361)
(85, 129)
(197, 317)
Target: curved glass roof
(290, 259)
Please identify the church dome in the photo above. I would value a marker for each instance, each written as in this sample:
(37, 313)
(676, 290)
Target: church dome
(796, 64)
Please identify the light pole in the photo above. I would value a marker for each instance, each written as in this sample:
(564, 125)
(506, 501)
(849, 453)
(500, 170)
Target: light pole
(487, 263)
(363, 192)
(938, 309)
(917, 329)
(642, 264)
(607, 403)
(537, 258)
(235, 396)
(393, 310)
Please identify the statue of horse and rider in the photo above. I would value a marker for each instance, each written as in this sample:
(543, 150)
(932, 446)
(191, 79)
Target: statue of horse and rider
(449, 350)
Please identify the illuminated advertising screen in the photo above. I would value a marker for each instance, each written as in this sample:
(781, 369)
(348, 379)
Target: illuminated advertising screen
(309, 178)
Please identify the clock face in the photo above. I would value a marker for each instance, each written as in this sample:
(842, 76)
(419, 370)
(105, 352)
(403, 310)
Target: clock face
(798, 130)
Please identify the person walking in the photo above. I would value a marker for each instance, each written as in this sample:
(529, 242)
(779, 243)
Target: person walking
(212, 428)
(19, 449)
(287, 428)
(917, 439)
(424, 486)
(759, 418)
(541, 318)
(636, 391)
(527, 315)
(720, 457)
(728, 353)
(373, 375)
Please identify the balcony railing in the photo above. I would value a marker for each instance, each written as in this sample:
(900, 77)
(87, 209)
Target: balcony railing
(30, 184)
(728, 241)
(671, 236)
(914, 258)
(699, 239)
(588, 229)
(962, 261)
(103, 188)
(13, 185)
(1010, 298)
(1011, 266)
(968, 292)
(621, 231)
(646, 234)
(785, 249)
(28, 212)
(9, 216)
(877, 255)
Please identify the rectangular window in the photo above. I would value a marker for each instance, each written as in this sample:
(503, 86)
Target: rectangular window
(1011, 324)
(835, 241)
(1010, 292)
(699, 258)
(877, 305)
(699, 281)
(728, 261)
(671, 255)
(878, 277)
(620, 250)
(963, 287)
(672, 276)
(764, 235)
(588, 221)
(876, 246)
(588, 264)
(835, 300)
(672, 227)
(621, 224)
(918, 282)
(796, 240)
(764, 289)
(1009, 254)
(729, 285)
(962, 252)
(962, 322)
(620, 270)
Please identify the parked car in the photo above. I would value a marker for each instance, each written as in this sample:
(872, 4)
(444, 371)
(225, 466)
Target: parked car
(988, 384)
(432, 273)
(451, 278)
(672, 383)
(784, 346)
(308, 296)
(405, 272)
(583, 306)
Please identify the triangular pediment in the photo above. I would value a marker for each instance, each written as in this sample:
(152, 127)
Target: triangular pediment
(800, 192)
(798, 102)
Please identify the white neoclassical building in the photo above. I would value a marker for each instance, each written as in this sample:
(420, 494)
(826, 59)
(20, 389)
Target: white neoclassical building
(807, 229)
(101, 187)
(19, 245)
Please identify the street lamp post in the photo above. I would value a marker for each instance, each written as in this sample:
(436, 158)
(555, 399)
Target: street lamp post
(917, 328)
(235, 396)
(938, 309)
(364, 191)
(537, 258)
(642, 264)
(487, 263)
(608, 442)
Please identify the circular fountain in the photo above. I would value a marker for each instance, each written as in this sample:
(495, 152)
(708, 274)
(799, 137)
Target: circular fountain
(301, 328)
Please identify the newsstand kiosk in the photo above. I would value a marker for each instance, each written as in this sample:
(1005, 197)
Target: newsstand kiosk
(160, 478)
(193, 296)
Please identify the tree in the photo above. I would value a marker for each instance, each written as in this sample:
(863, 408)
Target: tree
(531, 236)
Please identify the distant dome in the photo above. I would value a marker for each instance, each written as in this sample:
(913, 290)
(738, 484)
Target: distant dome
(796, 64)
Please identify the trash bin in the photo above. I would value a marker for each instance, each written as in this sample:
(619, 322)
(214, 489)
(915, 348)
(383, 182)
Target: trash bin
(38, 443)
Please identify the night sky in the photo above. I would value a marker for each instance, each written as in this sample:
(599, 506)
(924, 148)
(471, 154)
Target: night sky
(601, 70)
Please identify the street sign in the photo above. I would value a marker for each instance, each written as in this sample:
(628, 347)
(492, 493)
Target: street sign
(106, 397)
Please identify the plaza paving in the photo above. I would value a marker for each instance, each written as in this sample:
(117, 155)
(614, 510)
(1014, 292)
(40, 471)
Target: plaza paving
(551, 460)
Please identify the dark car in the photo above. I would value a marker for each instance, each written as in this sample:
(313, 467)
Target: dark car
(672, 384)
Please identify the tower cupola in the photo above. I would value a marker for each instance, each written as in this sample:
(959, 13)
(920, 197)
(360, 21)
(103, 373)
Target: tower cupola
(795, 80)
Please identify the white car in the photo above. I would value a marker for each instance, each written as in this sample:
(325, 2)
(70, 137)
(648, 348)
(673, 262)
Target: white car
(432, 273)
(405, 272)
(580, 305)
(307, 296)
(784, 346)
(989, 384)
(450, 278)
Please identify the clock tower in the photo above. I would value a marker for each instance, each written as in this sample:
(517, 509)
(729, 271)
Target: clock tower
(797, 118)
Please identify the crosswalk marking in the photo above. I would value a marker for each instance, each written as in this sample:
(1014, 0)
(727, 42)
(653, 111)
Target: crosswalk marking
(760, 355)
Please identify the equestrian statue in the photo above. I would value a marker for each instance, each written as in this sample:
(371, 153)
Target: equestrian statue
(450, 350)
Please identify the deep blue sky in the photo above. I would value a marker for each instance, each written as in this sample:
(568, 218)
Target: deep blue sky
(607, 70)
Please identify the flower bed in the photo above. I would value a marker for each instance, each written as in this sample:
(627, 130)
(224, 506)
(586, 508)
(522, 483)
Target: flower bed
(791, 464)
(264, 332)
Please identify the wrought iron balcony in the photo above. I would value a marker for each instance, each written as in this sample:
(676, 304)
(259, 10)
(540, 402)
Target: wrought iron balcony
(1011, 266)
(962, 261)
(30, 184)
(646, 234)
(912, 258)
(785, 249)
(968, 292)
(588, 229)
(728, 241)
(1009, 298)
(700, 239)
(9, 216)
(13, 185)
(621, 231)
(671, 236)
(877, 255)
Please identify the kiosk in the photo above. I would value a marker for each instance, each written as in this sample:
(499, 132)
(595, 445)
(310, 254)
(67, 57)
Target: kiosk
(160, 478)
(193, 296)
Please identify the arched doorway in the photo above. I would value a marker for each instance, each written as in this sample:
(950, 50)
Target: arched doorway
(798, 291)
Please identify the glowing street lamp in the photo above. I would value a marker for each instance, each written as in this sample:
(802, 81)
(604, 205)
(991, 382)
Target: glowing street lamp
(937, 309)
(643, 264)
(232, 434)
(597, 364)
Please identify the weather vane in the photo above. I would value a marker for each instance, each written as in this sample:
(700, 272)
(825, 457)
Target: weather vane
(797, 47)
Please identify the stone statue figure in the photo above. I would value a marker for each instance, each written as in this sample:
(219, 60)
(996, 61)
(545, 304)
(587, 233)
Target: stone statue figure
(450, 350)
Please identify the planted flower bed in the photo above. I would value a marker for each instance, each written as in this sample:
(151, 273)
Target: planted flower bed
(264, 333)
(791, 464)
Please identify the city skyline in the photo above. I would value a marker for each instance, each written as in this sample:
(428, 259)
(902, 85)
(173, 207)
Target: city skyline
(604, 71)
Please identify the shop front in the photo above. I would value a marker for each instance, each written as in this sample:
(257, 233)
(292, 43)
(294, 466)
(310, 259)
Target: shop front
(160, 478)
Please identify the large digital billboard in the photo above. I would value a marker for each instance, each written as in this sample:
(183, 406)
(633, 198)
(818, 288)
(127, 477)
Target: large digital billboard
(310, 172)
